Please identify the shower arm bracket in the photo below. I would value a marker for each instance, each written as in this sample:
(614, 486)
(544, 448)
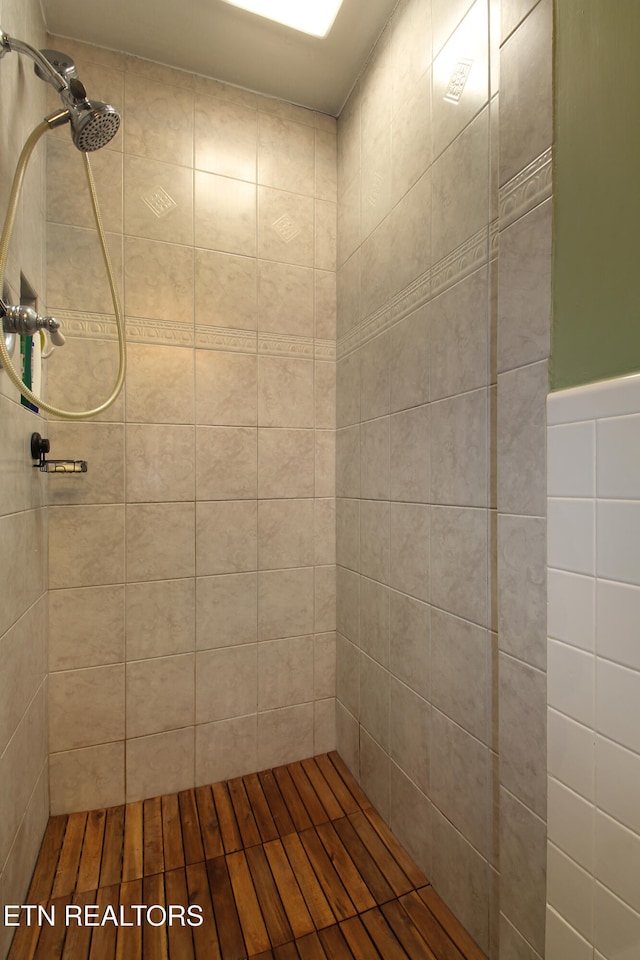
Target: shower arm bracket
(26, 322)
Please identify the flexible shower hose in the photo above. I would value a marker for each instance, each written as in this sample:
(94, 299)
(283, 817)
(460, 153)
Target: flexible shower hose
(5, 239)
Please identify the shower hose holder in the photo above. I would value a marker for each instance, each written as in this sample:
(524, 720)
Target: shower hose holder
(40, 447)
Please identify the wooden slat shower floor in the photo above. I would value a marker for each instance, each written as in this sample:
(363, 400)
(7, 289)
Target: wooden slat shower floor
(289, 864)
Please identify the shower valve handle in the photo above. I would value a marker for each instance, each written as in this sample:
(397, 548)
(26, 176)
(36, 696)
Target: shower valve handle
(25, 321)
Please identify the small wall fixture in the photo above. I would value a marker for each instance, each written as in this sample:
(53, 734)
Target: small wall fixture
(40, 447)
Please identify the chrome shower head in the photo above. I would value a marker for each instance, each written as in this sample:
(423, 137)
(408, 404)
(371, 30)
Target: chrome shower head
(93, 123)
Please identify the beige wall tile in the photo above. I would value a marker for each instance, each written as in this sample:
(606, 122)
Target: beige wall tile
(325, 531)
(226, 683)
(159, 120)
(158, 280)
(324, 726)
(226, 136)
(411, 150)
(375, 459)
(348, 604)
(285, 227)
(349, 293)
(411, 235)
(149, 370)
(83, 376)
(285, 299)
(523, 733)
(410, 818)
(325, 304)
(86, 707)
(324, 666)
(325, 235)
(86, 627)
(102, 446)
(285, 735)
(66, 247)
(459, 435)
(285, 603)
(286, 154)
(348, 533)
(522, 594)
(87, 779)
(459, 561)
(410, 455)
(374, 700)
(226, 749)
(226, 537)
(158, 200)
(160, 541)
(325, 463)
(160, 695)
(326, 163)
(285, 672)
(225, 290)
(285, 392)
(409, 361)
(285, 534)
(226, 463)
(348, 738)
(375, 264)
(86, 545)
(72, 206)
(410, 733)
(226, 610)
(375, 540)
(521, 440)
(226, 388)
(348, 461)
(23, 654)
(225, 214)
(325, 394)
(523, 869)
(324, 618)
(160, 618)
(374, 620)
(164, 762)
(285, 463)
(348, 390)
(160, 462)
(409, 549)
(409, 643)
(459, 337)
(374, 773)
(460, 661)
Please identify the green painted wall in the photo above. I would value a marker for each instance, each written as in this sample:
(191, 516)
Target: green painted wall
(596, 271)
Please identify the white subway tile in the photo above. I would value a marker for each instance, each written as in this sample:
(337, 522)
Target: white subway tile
(570, 891)
(571, 457)
(571, 753)
(618, 622)
(619, 458)
(619, 540)
(570, 823)
(618, 783)
(618, 704)
(618, 859)
(607, 398)
(571, 681)
(563, 942)
(571, 608)
(571, 535)
(616, 927)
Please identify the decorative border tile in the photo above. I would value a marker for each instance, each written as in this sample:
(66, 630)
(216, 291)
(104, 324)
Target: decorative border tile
(526, 190)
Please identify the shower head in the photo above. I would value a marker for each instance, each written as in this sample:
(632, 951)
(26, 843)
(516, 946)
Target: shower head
(93, 123)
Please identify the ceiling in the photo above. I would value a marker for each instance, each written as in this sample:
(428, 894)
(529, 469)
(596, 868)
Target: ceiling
(218, 40)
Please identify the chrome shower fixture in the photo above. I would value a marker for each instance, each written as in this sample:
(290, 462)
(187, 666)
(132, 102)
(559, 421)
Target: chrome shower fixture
(93, 123)
(25, 322)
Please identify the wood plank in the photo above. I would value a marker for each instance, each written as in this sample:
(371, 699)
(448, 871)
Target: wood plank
(51, 940)
(64, 881)
(309, 797)
(286, 952)
(345, 868)
(78, 940)
(267, 955)
(388, 866)
(209, 826)
(400, 855)
(349, 780)
(251, 920)
(129, 939)
(406, 932)
(111, 866)
(191, 836)
(464, 941)
(224, 908)
(331, 883)
(358, 939)
(313, 894)
(323, 790)
(281, 818)
(152, 848)
(369, 871)
(89, 869)
(294, 904)
(432, 932)
(25, 940)
(172, 833)
(291, 797)
(259, 805)
(334, 944)
(310, 948)
(344, 796)
(45, 869)
(103, 939)
(244, 814)
(275, 916)
(383, 936)
(205, 937)
(231, 839)
(154, 938)
(179, 934)
(132, 857)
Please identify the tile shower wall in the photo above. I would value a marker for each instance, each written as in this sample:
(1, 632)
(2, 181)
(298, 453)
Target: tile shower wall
(24, 799)
(443, 335)
(192, 570)
(594, 671)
